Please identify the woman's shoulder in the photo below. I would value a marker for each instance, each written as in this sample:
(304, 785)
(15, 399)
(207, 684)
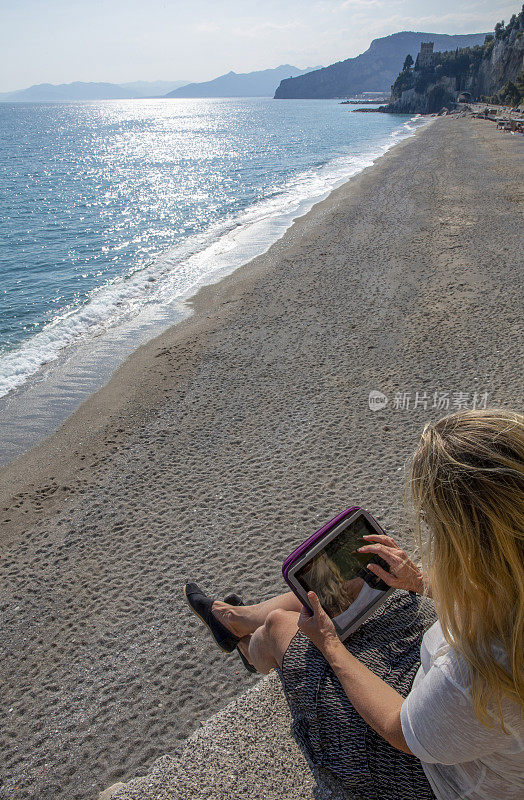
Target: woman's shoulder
(447, 658)
(437, 645)
(454, 669)
(433, 646)
(443, 694)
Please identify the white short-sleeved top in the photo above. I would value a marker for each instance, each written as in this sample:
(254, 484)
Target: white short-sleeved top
(461, 757)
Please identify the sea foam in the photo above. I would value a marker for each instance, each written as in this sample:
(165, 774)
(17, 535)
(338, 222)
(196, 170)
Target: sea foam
(152, 294)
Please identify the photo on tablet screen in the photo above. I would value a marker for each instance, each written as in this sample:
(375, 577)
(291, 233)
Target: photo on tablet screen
(338, 575)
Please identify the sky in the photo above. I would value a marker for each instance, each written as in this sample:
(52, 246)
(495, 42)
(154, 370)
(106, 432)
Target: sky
(59, 41)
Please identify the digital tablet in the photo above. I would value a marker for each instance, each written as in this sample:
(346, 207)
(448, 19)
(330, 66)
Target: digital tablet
(328, 564)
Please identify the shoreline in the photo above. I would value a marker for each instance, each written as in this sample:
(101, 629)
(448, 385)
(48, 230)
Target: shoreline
(219, 445)
(92, 411)
(34, 410)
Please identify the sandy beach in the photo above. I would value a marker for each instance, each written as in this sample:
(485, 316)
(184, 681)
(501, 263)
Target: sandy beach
(219, 446)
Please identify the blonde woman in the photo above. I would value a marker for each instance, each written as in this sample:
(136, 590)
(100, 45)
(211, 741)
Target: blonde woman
(426, 699)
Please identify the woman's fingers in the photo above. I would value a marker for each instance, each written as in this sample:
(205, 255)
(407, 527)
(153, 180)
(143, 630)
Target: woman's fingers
(380, 537)
(309, 617)
(407, 575)
(318, 627)
(381, 550)
(315, 602)
(387, 577)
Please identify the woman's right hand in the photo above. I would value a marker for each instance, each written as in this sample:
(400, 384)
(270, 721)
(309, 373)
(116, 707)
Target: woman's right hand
(403, 573)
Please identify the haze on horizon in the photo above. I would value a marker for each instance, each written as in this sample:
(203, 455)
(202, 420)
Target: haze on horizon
(60, 41)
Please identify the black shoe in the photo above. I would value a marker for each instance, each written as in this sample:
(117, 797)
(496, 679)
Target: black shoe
(236, 600)
(233, 600)
(201, 605)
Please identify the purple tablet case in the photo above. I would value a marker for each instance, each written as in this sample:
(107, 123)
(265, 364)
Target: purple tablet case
(309, 543)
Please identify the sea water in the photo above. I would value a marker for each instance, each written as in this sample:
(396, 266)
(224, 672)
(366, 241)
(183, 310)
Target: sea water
(113, 213)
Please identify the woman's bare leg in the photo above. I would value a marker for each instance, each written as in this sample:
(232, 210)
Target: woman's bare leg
(265, 648)
(244, 620)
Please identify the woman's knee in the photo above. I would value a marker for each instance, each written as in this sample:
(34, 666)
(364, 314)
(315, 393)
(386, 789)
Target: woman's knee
(280, 627)
(275, 621)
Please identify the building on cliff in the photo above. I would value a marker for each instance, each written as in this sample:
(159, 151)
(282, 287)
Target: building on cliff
(481, 72)
(426, 57)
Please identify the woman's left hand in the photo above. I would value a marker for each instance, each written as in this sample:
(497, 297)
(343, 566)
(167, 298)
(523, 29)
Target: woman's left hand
(317, 626)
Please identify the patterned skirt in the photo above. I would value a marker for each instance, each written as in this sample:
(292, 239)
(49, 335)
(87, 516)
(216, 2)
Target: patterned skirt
(331, 733)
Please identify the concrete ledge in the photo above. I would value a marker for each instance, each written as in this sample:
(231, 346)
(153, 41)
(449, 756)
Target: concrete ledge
(244, 752)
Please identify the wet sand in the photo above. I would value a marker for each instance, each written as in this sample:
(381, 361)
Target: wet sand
(219, 446)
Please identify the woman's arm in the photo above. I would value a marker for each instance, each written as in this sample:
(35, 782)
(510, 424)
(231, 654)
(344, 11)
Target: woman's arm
(376, 702)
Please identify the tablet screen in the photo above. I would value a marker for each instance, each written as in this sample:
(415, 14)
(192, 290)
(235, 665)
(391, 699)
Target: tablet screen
(338, 574)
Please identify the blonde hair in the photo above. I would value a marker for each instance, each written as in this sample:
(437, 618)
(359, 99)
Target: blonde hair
(467, 486)
(329, 585)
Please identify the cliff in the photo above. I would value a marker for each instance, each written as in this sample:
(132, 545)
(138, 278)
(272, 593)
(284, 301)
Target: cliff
(491, 72)
(373, 70)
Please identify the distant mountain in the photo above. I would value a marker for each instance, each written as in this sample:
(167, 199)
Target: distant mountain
(43, 92)
(248, 84)
(152, 88)
(371, 71)
(78, 90)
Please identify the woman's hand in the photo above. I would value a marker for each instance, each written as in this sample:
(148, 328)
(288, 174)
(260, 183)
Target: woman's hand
(317, 625)
(403, 574)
